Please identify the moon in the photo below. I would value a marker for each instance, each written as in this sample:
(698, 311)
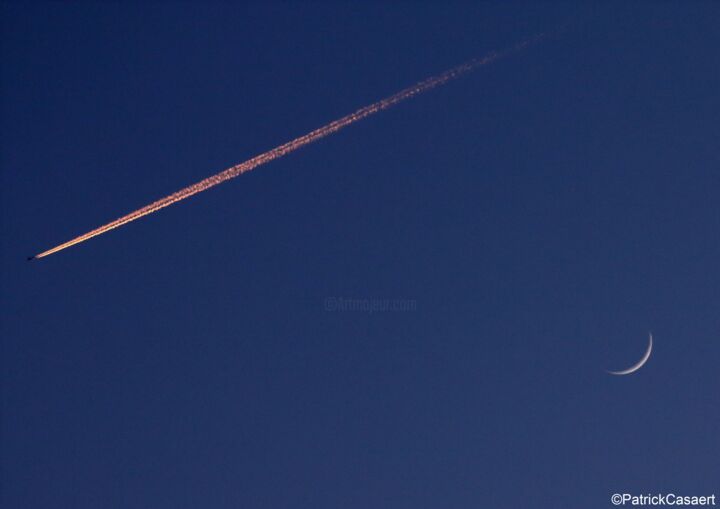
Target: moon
(639, 364)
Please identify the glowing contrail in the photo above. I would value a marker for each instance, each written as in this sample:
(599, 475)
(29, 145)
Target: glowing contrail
(295, 144)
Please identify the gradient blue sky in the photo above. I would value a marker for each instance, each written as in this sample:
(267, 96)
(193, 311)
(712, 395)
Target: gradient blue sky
(544, 213)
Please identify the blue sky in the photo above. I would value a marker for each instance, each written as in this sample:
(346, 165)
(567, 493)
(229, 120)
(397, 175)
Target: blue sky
(543, 214)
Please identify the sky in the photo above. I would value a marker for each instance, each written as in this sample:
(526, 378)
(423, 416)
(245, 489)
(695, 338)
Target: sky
(416, 312)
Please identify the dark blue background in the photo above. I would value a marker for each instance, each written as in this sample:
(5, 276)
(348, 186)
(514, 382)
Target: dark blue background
(544, 213)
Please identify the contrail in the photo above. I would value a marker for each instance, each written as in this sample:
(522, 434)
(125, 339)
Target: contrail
(291, 146)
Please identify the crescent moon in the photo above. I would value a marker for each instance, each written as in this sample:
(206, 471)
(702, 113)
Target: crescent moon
(640, 363)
